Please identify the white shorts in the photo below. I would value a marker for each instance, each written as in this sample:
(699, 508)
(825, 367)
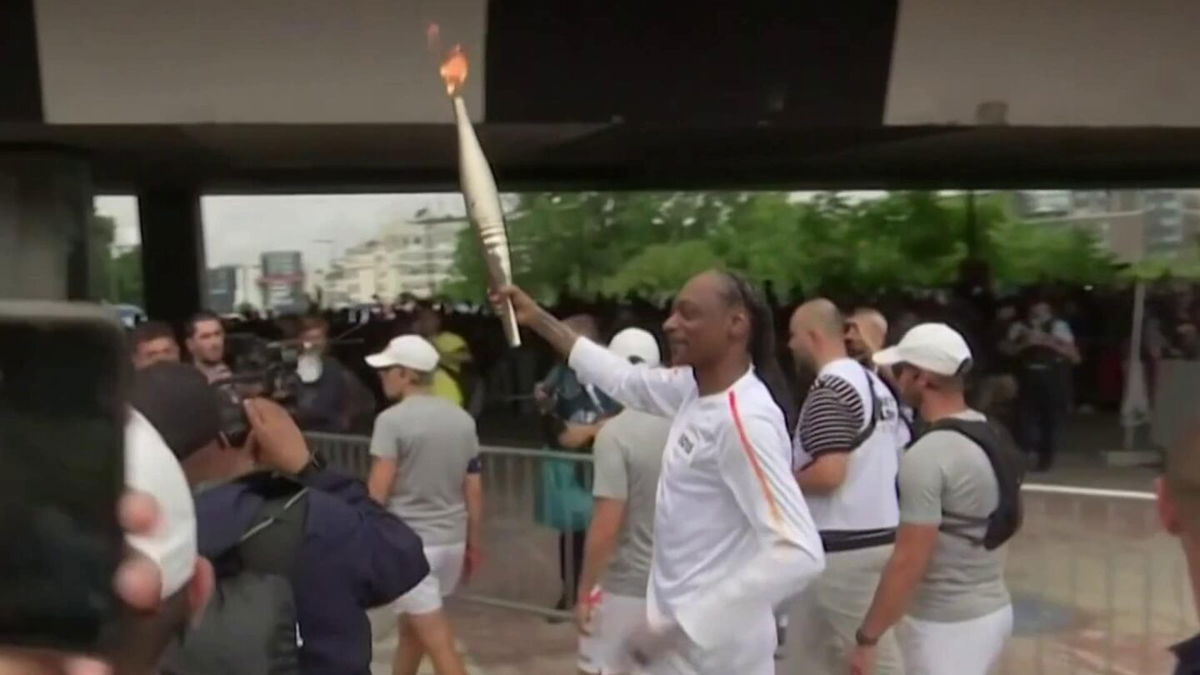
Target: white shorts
(445, 571)
(613, 621)
(958, 648)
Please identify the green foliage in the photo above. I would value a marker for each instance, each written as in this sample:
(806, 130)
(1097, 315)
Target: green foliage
(125, 270)
(648, 242)
(1031, 253)
(114, 275)
(662, 268)
(1184, 265)
(101, 231)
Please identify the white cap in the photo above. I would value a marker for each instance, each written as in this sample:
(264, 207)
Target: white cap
(934, 347)
(636, 343)
(151, 467)
(408, 351)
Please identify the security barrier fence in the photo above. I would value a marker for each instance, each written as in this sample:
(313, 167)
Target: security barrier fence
(1097, 586)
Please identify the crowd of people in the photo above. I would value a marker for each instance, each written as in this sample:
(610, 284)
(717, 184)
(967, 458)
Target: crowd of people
(1039, 354)
(848, 511)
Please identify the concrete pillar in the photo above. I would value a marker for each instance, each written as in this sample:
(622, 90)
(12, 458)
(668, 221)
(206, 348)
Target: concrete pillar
(45, 212)
(173, 268)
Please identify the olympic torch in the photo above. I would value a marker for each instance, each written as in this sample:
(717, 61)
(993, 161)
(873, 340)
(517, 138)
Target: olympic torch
(480, 194)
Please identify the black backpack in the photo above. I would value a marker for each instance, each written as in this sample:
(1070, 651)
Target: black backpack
(1008, 463)
(250, 625)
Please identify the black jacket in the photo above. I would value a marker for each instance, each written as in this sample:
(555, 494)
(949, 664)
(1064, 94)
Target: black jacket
(1189, 657)
(355, 555)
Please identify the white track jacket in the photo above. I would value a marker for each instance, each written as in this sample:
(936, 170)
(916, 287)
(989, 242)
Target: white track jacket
(733, 538)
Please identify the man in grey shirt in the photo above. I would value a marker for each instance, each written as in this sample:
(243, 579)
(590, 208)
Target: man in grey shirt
(426, 470)
(620, 540)
(959, 614)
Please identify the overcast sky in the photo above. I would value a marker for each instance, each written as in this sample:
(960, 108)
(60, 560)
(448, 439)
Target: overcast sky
(237, 229)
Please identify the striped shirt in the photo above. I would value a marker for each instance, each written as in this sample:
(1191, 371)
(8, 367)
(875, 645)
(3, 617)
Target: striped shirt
(835, 419)
(832, 417)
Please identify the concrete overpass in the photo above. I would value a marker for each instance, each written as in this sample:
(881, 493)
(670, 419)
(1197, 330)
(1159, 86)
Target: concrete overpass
(169, 100)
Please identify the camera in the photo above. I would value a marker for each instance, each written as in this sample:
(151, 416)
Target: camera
(261, 369)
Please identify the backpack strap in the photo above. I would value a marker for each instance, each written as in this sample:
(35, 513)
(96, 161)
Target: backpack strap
(908, 423)
(270, 545)
(872, 417)
(981, 434)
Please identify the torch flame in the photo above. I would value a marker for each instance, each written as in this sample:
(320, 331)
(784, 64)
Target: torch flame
(454, 70)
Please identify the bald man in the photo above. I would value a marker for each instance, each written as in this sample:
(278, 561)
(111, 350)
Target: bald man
(846, 453)
(866, 333)
(1179, 508)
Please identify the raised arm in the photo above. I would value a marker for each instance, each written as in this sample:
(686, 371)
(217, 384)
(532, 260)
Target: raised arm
(531, 315)
(658, 391)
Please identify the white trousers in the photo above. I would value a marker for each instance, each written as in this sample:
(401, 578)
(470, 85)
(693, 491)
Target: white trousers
(823, 619)
(958, 648)
(750, 650)
(614, 620)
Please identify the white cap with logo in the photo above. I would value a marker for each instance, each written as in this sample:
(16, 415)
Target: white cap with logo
(933, 347)
(151, 467)
(407, 351)
(636, 343)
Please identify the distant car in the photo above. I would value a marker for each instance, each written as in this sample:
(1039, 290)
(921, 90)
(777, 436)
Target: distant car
(130, 315)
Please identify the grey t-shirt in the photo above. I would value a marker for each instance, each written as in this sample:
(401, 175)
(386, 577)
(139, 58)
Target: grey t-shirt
(628, 451)
(944, 471)
(433, 441)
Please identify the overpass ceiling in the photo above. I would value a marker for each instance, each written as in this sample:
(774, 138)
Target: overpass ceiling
(277, 95)
(529, 156)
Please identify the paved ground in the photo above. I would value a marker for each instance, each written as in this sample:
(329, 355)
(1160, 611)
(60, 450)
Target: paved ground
(1097, 587)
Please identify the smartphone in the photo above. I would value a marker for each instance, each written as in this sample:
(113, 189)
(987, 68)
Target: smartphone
(64, 370)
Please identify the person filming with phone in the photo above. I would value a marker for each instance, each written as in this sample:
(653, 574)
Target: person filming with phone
(267, 507)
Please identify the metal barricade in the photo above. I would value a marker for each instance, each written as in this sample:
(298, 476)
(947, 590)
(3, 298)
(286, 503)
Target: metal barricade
(348, 454)
(537, 508)
(533, 525)
(1097, 586)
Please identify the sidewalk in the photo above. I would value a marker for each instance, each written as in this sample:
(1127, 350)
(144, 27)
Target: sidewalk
(384, 643)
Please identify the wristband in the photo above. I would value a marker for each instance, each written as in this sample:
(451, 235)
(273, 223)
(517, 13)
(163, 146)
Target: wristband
(863, 640)
(315, 465)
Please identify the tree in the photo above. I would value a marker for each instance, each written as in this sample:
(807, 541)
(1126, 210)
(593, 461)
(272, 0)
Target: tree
(648, 242)
(101, 232)
(1028, 253)
(115, 273)
(125, 270)
(662, 268)
(579, 240)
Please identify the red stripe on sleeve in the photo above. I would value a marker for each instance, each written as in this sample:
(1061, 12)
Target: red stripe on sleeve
(754, 463)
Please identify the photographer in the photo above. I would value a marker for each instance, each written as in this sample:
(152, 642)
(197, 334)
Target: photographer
(327, 389)
(350, 553)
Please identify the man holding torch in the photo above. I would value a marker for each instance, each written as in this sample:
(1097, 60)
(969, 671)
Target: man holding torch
(733, 536)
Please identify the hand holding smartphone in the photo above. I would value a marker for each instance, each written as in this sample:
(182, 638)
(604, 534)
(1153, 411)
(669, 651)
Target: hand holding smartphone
(63, 375)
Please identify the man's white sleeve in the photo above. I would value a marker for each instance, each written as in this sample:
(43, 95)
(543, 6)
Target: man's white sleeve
(657, 391)
(754, 465)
